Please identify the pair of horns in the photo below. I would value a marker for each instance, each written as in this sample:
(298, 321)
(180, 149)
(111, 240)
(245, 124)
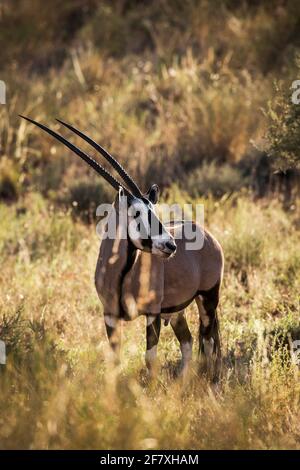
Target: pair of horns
(133, 187)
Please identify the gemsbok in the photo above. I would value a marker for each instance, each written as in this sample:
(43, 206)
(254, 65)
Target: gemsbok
(147, 269)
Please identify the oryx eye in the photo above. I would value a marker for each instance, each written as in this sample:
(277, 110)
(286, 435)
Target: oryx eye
(137, 214)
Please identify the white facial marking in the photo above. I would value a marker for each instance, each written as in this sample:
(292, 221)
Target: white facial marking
(138, 224)
(110, 320)
(140, 229)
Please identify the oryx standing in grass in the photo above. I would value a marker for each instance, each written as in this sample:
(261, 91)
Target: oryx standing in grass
(146, 268)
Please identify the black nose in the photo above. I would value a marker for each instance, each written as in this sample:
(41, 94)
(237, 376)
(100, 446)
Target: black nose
(171, 246)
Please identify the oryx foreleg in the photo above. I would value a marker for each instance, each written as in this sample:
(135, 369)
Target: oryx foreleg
(113, 333)
(152, 338)
(183, 334)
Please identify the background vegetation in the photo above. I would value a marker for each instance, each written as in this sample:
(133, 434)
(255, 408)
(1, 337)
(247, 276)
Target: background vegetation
(194, 96)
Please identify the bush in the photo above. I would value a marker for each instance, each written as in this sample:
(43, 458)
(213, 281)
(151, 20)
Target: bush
(9, 181)
(36, 229)
(84, 197)
(284, 126)
(214, 180)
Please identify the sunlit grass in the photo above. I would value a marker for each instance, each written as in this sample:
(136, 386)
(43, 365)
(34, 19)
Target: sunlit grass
(180, 104)
(58, 389)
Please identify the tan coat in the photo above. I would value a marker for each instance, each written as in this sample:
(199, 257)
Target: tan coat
(152, 284)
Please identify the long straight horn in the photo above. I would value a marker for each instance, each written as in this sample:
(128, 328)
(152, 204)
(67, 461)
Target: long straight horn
(114, 163)
(90, 161)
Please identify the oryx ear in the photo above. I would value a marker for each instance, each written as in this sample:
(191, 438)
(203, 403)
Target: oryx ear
(153, 193)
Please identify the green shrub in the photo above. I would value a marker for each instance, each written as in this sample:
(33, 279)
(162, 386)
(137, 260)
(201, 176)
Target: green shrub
(283, 133)
(36, 229)
(215, 180)
(84, 196)
(245, 250)
(9, 181)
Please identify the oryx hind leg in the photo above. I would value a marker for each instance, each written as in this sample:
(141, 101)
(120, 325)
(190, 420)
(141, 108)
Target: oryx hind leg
(209, 338)
(152, 338)
(183, 334)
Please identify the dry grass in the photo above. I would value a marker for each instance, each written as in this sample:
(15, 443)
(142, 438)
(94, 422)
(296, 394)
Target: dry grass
(175, 90)
(58, 389)
(160, 108)
(167, 119)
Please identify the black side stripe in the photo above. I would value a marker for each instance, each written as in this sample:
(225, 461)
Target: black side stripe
(182, 306)
(179, 307)
(131, 256)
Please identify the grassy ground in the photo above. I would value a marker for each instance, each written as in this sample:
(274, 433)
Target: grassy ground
(180, 93)
(58, 389)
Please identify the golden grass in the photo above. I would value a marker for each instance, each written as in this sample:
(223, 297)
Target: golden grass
(175, 90)
(58, 389)
(163, 119)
